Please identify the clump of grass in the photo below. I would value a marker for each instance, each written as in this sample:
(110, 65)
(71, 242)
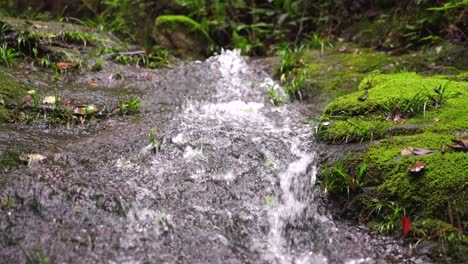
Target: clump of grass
(274, 96)
(291, 72)
(98, 65)
(129, 106)
(386, 215)
(35, 98)
(439, 96)
(8, 55)
(406, 107)
(336, 178)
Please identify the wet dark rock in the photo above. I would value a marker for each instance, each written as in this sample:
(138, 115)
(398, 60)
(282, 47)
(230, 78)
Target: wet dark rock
(181, 32)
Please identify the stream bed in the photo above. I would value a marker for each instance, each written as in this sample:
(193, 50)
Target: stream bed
(233, 180)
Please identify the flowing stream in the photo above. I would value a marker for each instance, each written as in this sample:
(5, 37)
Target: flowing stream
(233, 181)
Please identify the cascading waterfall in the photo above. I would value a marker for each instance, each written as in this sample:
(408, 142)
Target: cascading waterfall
(232, 182)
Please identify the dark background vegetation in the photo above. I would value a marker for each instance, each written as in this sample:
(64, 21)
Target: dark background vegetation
(258, 26)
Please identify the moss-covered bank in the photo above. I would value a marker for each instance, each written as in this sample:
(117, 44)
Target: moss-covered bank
(415, 119)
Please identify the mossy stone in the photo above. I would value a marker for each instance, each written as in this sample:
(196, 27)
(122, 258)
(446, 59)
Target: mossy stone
(443, 181)
(57, 40)
(182, 33)
(10, 94)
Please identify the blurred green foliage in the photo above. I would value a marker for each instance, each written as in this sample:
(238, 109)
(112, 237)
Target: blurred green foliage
(257, 27)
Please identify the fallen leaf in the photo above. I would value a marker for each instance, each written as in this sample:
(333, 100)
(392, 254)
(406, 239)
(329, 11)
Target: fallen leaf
(462, 142)
(342, 48)
(363, 97)
(85, 109)
(434, 66)
(25, 100)
(420, 151)
(39, 26)
(418, 167)
(66, 103)
(407, 151)
(65, 65)
(49, 100)
(399, 118)
(93, 83)
(406, 224)
(32, 157)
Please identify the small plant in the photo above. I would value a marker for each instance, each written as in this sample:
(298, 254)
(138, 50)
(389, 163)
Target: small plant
(315, 41)
(387, 214)
(35, 98)
(99, 65)
(56, 99)
(129, 106)
(7, 203)
(337, 180)
(119, 75)
(35, 256)
(291, 72)
(155, 143)
(123, 59)
(275, 98)
(439, 96)
(7, 55)
(269, 201)
(404, 107)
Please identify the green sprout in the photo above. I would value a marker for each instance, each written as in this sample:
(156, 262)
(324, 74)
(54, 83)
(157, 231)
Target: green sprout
(33, 93)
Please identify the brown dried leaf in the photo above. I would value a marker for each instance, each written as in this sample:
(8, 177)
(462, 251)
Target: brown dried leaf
(38, 26)
(461, 142)
(407, 151)
(342, 48)
(420, 151)
(435, 66)
(418, 167)
(32, 157)
(65, 65)
(26, 99)
(85, 110)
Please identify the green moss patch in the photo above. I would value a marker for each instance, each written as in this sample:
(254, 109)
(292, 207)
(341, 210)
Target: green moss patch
(10, 94)
(337, 72)
(407, 111)
(388, 103)
(55, 41)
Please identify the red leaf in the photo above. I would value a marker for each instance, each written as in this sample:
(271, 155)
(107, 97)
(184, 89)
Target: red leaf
(406, 223)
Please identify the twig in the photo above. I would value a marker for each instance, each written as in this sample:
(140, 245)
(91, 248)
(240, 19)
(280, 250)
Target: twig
(128, 53)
